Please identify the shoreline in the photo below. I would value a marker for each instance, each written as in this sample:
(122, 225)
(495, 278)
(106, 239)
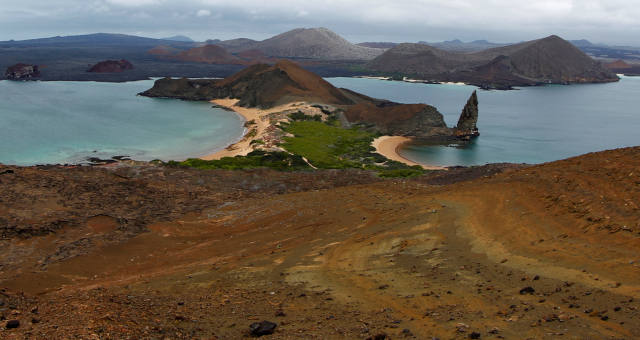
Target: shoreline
(242, 146)
(258, 125)
(388, 146)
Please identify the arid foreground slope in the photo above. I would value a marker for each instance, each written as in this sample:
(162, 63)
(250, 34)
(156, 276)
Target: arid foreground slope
(548, 251)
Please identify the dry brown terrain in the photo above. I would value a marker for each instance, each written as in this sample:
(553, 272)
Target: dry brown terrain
(542, 252)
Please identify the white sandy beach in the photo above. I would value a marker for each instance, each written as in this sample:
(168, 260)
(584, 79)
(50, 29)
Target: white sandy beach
(388, 147)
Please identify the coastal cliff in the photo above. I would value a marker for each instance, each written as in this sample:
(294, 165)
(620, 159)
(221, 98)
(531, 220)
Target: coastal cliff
(411, 120)
(419, 121)
(22, 72)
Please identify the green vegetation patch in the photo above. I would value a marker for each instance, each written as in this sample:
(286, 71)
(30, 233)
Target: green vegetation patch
(411, 172)
(257, 159)
(325, 145)
(330, 147)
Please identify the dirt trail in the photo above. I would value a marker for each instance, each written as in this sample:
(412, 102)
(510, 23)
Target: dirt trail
(538, 253)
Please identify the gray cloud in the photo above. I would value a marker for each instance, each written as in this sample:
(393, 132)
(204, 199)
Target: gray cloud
(611, 21)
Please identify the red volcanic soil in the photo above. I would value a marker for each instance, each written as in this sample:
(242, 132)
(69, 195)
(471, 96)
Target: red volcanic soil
(111, 66)
(618, 65)
(541, 252)
(210, 54)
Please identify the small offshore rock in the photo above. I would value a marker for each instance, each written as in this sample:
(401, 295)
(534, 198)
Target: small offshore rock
(262, 328)
(22, 71)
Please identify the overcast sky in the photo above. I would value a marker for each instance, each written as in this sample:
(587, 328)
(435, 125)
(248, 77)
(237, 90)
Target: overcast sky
(608, 21)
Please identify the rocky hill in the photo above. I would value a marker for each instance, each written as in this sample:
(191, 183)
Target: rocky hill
(621, 66)
(210, 54)
(548, 60)
(315, 43)
(111, 66)
(164, 51)
(259, 85)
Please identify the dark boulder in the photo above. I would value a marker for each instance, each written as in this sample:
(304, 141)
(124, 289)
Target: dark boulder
(12, 324)
(111, 66)
(527, 290)
(262, 328)
(22, 72)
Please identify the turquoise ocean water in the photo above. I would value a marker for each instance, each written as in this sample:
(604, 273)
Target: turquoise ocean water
(529, 125)
(66, 122)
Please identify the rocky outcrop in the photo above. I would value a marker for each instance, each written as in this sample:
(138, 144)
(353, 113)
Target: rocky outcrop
(388, 118)
(467, 128)
(111, 66)
(22, 72)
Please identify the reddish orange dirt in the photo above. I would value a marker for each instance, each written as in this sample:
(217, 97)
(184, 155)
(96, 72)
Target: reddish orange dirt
(543, 252)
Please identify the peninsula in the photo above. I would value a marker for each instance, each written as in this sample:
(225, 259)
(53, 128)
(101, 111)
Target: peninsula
(270, 96)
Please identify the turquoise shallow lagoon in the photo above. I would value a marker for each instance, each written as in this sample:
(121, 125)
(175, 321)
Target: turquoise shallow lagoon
(529, 125)
(66, 122)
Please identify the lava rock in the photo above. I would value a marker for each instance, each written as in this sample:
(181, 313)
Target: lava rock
(12, 324)
(527, 290)
(22, 71)
(474, 335)
(262, 328)
(467, 127)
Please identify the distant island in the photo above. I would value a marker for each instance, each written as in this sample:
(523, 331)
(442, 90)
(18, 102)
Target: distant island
(551, 60)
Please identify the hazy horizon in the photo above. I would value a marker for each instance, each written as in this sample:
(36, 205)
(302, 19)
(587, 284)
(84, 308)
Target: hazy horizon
(610, 22)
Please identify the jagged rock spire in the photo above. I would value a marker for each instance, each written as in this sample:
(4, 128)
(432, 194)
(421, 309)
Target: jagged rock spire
(469, 118)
